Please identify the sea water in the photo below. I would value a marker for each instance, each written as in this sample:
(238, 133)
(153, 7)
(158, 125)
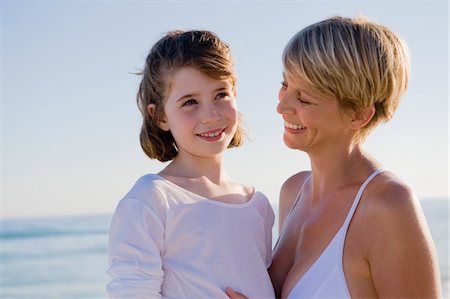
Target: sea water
(67, 257)
(54, 257)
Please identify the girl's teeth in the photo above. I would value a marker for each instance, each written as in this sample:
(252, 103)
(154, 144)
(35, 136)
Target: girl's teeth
(210, 134)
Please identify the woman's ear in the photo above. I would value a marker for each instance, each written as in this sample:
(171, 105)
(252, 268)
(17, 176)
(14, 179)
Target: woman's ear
(362, 118)
(162, 122)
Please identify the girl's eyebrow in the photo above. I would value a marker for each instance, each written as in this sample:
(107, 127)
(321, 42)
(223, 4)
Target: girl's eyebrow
(193, 95)
(221, 89)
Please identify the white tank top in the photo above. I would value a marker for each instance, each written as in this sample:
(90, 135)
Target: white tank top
(325, 278)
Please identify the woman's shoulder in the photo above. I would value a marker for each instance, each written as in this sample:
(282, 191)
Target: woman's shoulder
(389, 194)
(289, 193)
(391, 207)
(291, 187)
(390, 215)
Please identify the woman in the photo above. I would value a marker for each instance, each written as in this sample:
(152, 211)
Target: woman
(348, 228)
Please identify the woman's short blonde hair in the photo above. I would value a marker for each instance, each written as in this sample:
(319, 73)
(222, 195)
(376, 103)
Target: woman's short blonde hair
(356, 61)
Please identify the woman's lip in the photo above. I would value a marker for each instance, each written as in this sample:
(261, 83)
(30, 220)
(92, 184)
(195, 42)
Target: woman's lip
(293, 126)
(294, 131)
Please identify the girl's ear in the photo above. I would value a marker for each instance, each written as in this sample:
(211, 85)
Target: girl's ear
(362, 118)
(162, 122)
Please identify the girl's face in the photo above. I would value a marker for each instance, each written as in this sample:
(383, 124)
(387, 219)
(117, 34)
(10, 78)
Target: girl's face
(200, 112)
(311, 120)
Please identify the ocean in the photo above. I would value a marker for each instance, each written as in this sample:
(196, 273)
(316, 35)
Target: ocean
(67, 257)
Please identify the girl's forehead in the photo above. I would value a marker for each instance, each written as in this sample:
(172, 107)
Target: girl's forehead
(189, 80)
(184, 72)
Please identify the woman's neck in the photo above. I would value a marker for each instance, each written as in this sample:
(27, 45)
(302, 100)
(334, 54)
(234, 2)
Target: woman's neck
(338, 168)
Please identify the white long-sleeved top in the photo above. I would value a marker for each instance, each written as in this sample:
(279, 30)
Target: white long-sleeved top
(167, 242)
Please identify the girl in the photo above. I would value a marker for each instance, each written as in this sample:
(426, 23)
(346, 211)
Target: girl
(190, 231)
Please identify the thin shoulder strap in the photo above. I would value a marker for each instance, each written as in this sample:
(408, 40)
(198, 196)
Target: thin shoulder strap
(295, 202)
(298, 195)
(359, 195)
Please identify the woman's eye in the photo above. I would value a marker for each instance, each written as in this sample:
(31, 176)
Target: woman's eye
(284, 84)
(190, 102)
(305, 102)
(301, 99)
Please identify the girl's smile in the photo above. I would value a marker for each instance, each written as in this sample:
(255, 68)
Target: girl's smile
(200, 112)
(213, 135)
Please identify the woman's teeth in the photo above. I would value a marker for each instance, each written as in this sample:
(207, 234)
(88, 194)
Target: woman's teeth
(293, 126)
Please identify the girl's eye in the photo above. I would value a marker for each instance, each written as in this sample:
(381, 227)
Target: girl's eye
(284, 85)
(221, 95)
(190, 102)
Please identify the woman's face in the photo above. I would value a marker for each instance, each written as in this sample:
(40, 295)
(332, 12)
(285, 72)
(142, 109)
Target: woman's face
(312, 121)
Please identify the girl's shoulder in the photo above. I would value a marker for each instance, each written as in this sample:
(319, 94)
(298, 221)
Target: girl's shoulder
(149, 190)
(146, 185)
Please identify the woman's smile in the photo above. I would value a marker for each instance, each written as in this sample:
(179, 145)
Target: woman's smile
(292, 126)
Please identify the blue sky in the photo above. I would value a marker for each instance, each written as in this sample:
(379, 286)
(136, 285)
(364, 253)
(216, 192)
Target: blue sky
(70, 124)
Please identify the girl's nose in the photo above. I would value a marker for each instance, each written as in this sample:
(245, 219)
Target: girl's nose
(210, 114)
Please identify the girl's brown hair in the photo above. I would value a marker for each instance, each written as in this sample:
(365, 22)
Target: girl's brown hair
(203, 50)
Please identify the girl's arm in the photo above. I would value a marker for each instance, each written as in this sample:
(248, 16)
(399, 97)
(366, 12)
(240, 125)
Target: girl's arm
(234, 295)
(134, 253)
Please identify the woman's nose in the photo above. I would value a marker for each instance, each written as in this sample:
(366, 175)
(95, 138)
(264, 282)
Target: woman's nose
(284, 105)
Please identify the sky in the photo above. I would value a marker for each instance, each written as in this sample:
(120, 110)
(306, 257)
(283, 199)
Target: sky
(70, 123)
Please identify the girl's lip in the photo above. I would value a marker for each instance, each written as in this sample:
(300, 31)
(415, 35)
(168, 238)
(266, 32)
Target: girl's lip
(211, 133)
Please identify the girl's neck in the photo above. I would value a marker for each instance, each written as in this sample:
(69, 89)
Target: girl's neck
(197, 168)
(206, 177)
